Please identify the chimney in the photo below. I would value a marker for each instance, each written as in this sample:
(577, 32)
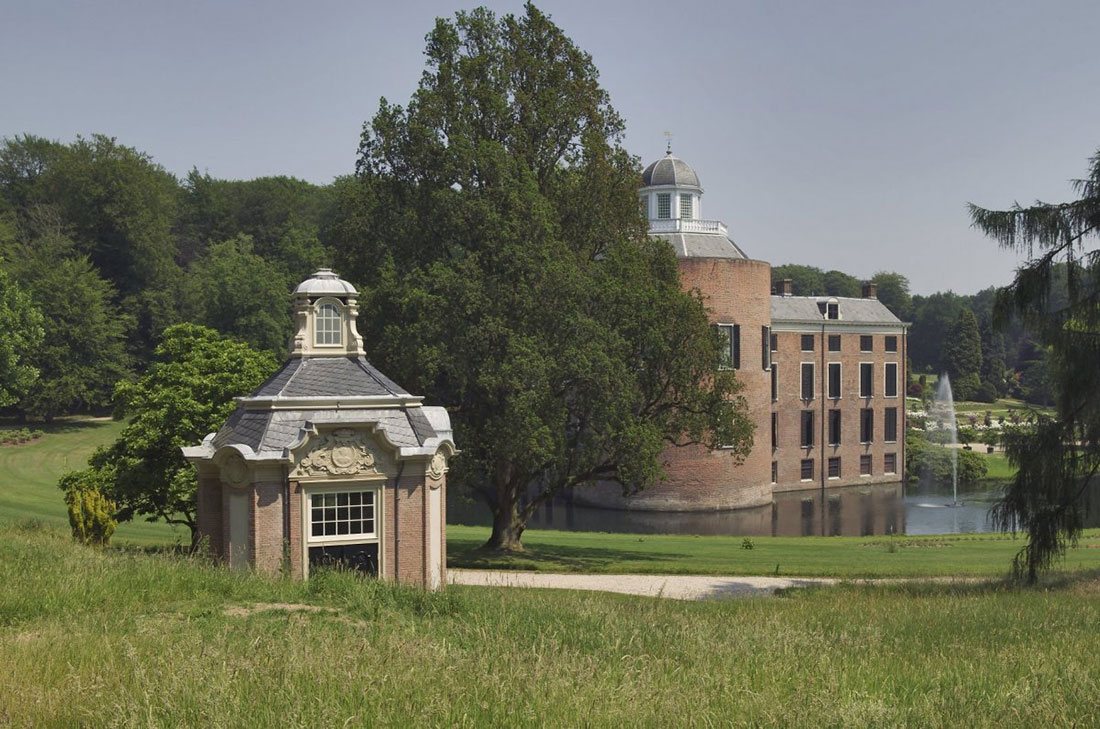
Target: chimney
(785, 287)
(870, 290)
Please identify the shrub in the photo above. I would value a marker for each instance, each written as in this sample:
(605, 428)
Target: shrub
(926, 461)
(987, 392)
(915, 389)
(91, 513)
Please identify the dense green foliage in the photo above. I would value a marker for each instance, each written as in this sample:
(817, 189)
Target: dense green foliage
(91, 513)
(21, 324)
(186, 393)
(1059, 457)
(109, 638)
(495, 225)
(930, 461)
(962, 355)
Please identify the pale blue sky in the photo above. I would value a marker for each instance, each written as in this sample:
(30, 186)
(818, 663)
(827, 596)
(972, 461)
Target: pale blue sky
(845, 135)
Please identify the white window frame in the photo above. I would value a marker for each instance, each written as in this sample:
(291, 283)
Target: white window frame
(895, 440)
(686, 198)
(318, 306)
(665, 199)
(829, 379)
(305, 523)
(357, 538)
(885, 471)
(871, 394)
(813, 381)
(885, 379)
(811, 478)
(839, 465)
(731, 346)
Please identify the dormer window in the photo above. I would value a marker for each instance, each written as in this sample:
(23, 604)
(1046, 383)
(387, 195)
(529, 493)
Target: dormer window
(328, 329)
(833, 310)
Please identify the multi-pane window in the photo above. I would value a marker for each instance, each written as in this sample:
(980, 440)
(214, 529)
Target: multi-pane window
(807, 428)
(834, 468)
(775, 382)
(834, 427)
(866, 379)
(775, 471)
(327, 329)
(765, 348)
(890, 463)
(807, 469)
(664, 205)
(685, 207)
(891, 344)
(341, 515)
(807, 342)
(775, 431)
(866, 425)
(891, 385)
(890, 425)
(865, 464)
(807, 381)
(731, 345)
(834, 342)
(866, 343)
(832, 311)
(834, 380)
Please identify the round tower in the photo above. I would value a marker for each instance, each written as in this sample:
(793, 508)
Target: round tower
(737, 294)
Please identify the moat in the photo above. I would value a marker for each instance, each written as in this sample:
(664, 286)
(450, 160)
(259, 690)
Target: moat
(895, 508)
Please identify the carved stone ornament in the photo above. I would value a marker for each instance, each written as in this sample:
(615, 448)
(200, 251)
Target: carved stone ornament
(437, 467)
(235, 471)
(341, 452)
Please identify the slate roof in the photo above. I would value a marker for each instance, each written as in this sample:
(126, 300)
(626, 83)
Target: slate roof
(670, 170)
(329, 377)
(805, 308)
(702, 245)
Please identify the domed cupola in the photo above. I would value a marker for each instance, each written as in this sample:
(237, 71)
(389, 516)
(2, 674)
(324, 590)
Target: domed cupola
(670, 171)
(671, 200)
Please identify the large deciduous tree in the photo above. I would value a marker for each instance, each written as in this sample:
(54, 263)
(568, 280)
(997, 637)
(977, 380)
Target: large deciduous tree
(186, 393)
(1059, 458)
(494, 221)
(21, 324)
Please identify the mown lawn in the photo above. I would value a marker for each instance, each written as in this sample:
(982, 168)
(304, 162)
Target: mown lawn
(103, 638)
(29, 474)
(976, 555)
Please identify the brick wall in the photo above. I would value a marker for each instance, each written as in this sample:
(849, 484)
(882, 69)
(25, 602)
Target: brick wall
(268, 526)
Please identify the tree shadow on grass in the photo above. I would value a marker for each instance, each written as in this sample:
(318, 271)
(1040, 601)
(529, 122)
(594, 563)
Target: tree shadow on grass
(470, 554)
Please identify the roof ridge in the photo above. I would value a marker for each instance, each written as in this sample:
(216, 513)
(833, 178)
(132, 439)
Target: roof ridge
(297, 370)
(366, 366)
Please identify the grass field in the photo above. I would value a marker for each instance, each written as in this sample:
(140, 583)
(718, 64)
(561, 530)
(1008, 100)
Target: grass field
(978, 555)
(29, 473)
(108, 638)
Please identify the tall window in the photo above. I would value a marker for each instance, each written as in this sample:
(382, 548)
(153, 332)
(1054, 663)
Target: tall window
(866, 425)
(834, 342)
(891, 344)
(731, 349)
(775, 342)
(775, 471)
(834, 380)
(807, 428)
(327, 330)
(866, 343)
(775, 382)
(890, 463)
(807, 469)
(834, 427)
(807, 380)
(766, 348)
(775, 431)
(664, 205)
(890, 425)
(832, 311)
(866, 379)
(341, 515)
(834, 468)
(891, 386)
(685, 207)
(807, 342)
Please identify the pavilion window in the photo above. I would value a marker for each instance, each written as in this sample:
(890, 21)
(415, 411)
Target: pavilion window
(664, 205)
(685, 207)
(328, 326)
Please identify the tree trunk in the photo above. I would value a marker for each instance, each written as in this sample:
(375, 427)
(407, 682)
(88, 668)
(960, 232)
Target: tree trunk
(507, 529)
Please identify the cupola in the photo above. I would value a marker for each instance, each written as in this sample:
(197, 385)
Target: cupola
(325, 312)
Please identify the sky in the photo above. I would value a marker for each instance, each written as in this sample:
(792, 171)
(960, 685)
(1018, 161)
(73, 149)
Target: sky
(847, 135)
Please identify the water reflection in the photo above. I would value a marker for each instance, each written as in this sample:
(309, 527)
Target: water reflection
(847, 511)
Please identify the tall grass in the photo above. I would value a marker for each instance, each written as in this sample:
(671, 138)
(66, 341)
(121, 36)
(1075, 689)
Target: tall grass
(110, 638)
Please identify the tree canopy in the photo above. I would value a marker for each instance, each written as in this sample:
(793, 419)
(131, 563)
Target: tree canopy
(1059, 458)
(21, 323)
(962, 354)
(494, 221)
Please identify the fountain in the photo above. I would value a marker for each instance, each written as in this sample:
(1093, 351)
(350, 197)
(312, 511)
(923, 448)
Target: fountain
(943, 408)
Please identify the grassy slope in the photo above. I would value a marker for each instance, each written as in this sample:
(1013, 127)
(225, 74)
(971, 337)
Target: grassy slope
(106, 639)
(29, 474)
(895, 556)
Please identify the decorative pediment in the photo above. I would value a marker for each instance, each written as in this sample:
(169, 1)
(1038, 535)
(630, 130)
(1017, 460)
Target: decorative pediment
(343, 452)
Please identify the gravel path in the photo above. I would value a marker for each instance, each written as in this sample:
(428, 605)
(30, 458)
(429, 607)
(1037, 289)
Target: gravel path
(677, 587)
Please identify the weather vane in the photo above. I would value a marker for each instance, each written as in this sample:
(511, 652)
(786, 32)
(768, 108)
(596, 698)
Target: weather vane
(668, 144)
